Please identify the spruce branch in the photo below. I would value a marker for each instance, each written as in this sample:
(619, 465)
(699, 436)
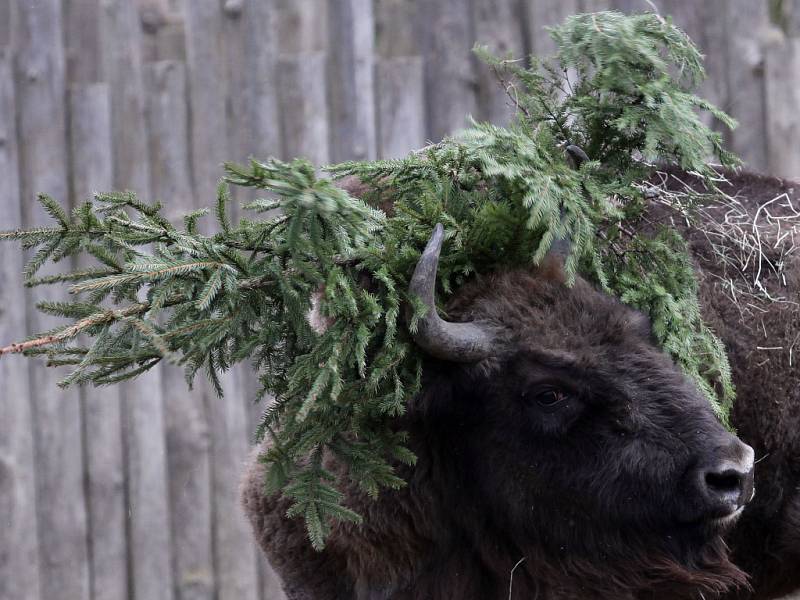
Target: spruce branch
(504, 194)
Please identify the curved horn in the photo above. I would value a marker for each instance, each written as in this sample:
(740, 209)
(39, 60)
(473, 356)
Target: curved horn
(455, 342)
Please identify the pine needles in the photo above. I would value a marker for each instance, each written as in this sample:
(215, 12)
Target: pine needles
(504, 195)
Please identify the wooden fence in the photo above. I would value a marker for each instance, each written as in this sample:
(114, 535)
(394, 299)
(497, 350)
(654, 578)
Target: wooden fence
(131, 491)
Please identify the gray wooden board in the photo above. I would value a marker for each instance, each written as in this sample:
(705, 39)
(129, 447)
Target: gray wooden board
(747, 30)
(783, 100)
(19, 558)
(186, 423)
(148, 498)
(350, 80)
(143, 404)
(303, 106)
(400, 84)
(41, 118)
(450, 85)
(498, 25)
(90, 155)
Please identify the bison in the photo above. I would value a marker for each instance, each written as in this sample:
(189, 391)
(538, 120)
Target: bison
(564, 456)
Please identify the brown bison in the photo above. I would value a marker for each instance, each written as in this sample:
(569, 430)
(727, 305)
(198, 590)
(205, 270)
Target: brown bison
(564, 456)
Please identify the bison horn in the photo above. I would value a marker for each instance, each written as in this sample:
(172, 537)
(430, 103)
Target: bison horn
(455, 342)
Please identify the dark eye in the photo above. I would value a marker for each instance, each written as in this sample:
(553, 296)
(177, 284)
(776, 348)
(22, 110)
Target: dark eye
(549, 398)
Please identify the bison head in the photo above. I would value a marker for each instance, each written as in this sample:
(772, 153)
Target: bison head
(562, 434)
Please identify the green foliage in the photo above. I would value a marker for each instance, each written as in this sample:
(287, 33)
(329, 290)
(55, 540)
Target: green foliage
(504, 195)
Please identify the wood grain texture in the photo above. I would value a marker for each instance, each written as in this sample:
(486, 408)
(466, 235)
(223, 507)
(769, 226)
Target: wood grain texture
(259, 121)
(259, 78)
(747, 31)
(783, 100)
(41, 118)
(19, 557)
(547, 14)
(351, 77)
(400, 83)
(235, 555)
(149, 531)
(304, 107)
(302, 84)
(91, 168)
(187, 435)
(448, 34)
(499, 26)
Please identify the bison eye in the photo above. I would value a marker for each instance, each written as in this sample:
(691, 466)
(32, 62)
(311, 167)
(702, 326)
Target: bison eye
(546, 398)
(550, 398)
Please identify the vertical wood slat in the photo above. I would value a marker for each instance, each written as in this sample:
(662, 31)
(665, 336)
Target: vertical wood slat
(747, 29)
(61, 507)
(209, 29)
(401, 105)
(546, 14)
(253, 130)
(302, 94)
(704, 22)
(783, 100)
(19, 558)
(235, 552)
(260, 131)
(188, 444)
(498, 26)
(351, 80)
(450, 84)
(91, 169)
(149, 538)
(399, 80)
(148, 498)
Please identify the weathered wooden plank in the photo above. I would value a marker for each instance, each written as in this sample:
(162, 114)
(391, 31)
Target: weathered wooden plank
(257, 121)
(589, 6)
(396, 31)
(143, 401)
(253, 130)
(303, 106)
(205, 51)
(186, 424)
(630, 6)
(91, 170)
(83, 40)
(351, 72)
(302, 89)
(399, 80)
(450, 80)
(401, 105)
(546, 14)
(497, 25)
(747, 29)
(234, 551)
(215, 67)
(148, 497)
(269, 582)
(19, 558)
(122, 70)
(704, 22)
(783, 98)
(57, 422)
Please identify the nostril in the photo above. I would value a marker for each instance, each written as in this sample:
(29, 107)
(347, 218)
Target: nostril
(725, 482)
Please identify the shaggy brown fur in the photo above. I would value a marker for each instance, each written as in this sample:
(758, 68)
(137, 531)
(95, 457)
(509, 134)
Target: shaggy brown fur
(587, 501)
(766, 542)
